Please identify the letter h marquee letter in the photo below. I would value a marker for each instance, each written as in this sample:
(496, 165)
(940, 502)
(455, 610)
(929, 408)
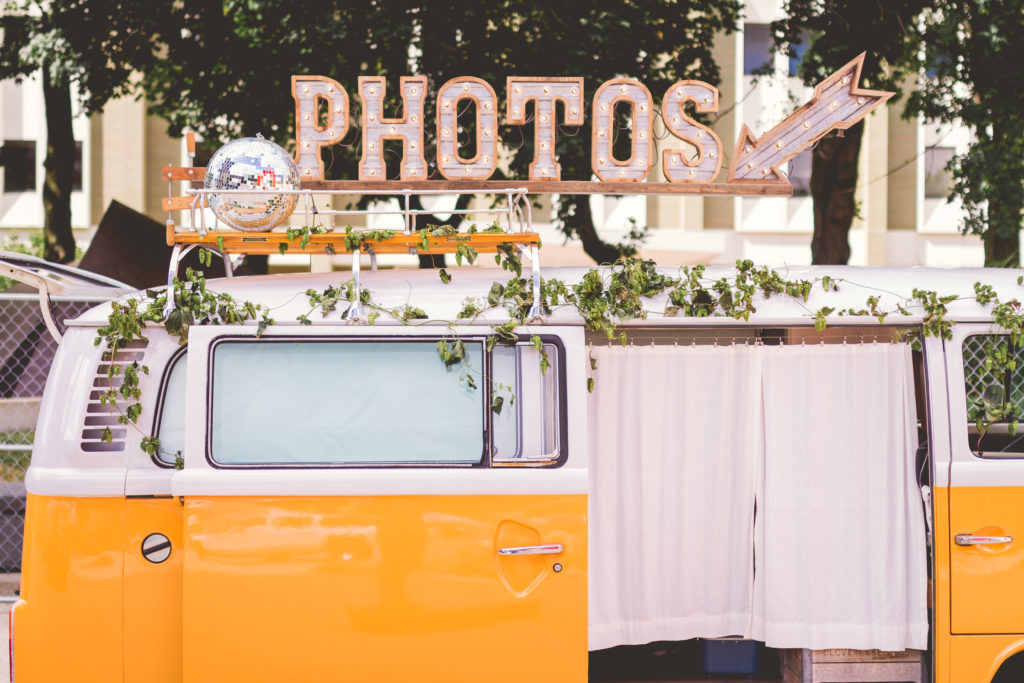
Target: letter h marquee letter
(408, 128)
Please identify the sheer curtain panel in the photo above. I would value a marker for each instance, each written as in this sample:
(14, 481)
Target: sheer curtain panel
(675, 447)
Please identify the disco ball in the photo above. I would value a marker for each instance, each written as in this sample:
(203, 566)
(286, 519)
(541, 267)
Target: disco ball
(252, 164)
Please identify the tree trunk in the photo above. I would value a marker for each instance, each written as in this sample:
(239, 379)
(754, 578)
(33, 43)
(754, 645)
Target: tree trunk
(60, 171)
(577, 217)
(1002, 251)
(833, 181)
(1001, 238)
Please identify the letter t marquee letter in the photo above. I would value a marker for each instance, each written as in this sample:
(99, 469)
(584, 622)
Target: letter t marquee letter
(544, 91)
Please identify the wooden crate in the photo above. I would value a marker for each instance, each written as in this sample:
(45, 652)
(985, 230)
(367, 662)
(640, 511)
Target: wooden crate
(851, 666)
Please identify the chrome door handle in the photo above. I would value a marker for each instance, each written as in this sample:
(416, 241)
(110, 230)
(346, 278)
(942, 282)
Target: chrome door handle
(971, 539)
(549, 549)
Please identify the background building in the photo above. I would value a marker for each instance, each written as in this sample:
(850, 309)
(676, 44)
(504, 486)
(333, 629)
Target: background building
(904, 218)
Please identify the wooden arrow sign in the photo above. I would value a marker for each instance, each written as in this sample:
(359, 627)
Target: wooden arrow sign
(837, 103)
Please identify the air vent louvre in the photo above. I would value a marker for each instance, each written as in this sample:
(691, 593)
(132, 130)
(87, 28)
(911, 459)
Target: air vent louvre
(99, 417)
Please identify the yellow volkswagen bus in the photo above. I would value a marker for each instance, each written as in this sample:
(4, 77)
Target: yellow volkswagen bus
(333, 501)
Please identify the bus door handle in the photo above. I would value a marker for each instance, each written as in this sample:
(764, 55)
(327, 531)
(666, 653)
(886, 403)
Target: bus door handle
(549, 549)
(971, 539)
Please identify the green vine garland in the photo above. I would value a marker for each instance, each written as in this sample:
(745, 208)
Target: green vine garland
(604, 298)
(193, 305)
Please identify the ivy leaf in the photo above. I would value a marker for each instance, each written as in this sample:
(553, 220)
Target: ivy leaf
(590, 385)
(445, 277)
(496, 404)
(494, 296)
(173, 324)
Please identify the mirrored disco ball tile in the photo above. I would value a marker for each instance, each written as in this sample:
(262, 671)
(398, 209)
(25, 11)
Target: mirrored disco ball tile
(252, 164)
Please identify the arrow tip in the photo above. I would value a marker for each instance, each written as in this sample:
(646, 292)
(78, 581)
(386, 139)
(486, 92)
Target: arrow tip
(745, 144)
(740, 168)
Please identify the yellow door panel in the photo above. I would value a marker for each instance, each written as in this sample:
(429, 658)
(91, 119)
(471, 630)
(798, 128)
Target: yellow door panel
(986, 579)
(384, 588)
(68, 621)
(152, 590)
(977, 658)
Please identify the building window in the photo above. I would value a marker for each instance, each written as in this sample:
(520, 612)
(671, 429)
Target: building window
(799, 48)
(18, 158)
(757, 47)
(938, 182)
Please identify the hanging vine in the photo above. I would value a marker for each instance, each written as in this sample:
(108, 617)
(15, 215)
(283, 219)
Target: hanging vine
(604, 298)
(193, 305)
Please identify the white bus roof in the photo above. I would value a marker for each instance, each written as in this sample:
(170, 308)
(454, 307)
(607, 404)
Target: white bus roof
(285, 294)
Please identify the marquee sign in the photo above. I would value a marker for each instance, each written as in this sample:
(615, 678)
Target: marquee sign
(837, 103)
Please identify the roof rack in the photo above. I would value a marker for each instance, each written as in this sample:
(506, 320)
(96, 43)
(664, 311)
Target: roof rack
(512, 213)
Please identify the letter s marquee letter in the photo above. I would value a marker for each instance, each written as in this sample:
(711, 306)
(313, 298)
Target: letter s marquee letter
(677, 168)
(310, 136)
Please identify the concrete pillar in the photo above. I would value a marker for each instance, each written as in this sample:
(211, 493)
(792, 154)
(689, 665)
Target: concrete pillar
(872, 193)
(719, 212)
(903, 191)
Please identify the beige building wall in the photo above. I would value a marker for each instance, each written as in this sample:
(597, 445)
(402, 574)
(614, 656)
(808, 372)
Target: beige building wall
(902, 186)
(134, 147)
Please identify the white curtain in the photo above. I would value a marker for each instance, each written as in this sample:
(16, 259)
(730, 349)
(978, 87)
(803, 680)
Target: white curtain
(684, 440)
(840, 538)
(675, 438)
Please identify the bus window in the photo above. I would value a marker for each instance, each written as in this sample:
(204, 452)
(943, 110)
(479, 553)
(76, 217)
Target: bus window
(994, 383)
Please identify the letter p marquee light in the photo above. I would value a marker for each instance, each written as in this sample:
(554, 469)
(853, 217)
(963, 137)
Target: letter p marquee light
(310, 136)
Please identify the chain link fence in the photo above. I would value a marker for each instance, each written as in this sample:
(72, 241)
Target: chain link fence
(978, 375)
(26, 352)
